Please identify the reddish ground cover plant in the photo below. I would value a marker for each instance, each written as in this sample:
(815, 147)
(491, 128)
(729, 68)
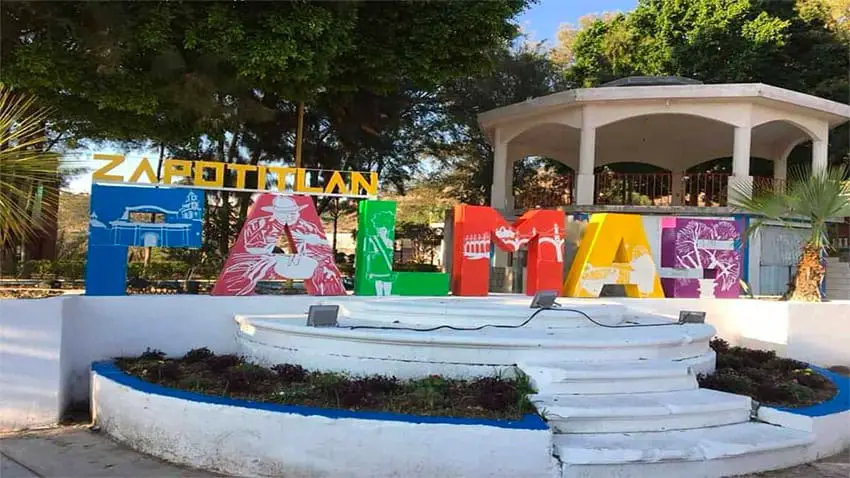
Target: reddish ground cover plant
(767, 378)
(202, 371)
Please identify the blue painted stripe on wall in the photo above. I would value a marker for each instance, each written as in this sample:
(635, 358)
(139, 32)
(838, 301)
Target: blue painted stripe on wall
(110, 371)
(839, 403)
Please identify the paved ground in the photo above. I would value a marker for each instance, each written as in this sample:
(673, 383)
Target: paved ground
(76, 452)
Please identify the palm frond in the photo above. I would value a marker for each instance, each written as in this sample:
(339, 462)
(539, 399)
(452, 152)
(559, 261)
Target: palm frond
(813, 197)
(26, 171)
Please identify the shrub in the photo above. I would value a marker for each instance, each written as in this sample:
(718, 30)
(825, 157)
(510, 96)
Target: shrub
(289, 373)
(197, 355)
(219, 363)
(152, 354)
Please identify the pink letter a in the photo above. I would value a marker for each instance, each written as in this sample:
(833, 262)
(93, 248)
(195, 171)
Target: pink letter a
(253, 259)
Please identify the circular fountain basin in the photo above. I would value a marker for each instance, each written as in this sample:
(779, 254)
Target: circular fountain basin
(374, 337)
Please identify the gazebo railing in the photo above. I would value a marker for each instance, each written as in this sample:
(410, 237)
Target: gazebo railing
(634, 189)
(642, 189)
(554, 193)
(704, 189)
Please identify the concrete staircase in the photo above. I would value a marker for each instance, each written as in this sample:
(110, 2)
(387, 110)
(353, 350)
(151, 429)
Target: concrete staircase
(837, 279)
(649, 418)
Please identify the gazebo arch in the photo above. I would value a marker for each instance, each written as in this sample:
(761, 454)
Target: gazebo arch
(682, 124)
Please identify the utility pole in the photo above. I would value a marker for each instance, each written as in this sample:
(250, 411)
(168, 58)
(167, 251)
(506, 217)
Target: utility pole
(299, 134)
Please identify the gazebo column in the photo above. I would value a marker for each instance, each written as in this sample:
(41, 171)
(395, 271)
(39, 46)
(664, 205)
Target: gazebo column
(500, 276)
(586, 162)
(509, 186)
(780, 168)
(676, 195)
(741, 179)
(819, 156)
(498, 191)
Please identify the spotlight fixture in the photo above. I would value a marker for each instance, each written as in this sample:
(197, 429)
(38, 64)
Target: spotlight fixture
(691, 317)
(323, 316)
(544, 299)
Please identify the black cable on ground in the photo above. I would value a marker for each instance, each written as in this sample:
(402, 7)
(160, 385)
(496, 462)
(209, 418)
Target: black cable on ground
(501, 326)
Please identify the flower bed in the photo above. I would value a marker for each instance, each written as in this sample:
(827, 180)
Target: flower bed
(229, 375)
(767, 378)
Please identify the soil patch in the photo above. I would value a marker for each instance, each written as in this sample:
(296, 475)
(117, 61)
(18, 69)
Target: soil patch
(229, 375)
(766, 378)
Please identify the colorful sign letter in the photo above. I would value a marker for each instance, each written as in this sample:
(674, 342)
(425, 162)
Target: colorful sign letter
(253, 257)
(614, 250)
(131, 216)
(475, 227)
(374, 257)
(699, 257)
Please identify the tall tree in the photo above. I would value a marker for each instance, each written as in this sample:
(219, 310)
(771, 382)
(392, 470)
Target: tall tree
(221, 79)
(796, 45)
(464, 153)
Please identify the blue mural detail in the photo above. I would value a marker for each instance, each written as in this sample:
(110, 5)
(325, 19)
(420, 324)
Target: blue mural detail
(120, 217)
(111, 221)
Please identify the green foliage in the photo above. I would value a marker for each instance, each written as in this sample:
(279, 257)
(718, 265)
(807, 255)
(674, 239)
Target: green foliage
(173, 71)
(466, 168)
(795, 45)
(177, 270)
(221, 81)
(47, 269)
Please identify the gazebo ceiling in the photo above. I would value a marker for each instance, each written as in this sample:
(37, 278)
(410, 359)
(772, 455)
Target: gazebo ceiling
(671, 141)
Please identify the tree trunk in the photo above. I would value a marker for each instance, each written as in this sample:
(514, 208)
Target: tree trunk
(810, 272)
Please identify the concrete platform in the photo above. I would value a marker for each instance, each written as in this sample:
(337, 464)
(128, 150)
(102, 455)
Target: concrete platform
(75, 452)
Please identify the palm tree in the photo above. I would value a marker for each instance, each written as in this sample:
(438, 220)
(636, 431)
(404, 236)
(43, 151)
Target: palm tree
(815, 198)
(26, 169)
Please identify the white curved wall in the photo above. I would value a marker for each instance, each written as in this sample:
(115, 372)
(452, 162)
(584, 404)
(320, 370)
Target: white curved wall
(265, 442)
(47, 345)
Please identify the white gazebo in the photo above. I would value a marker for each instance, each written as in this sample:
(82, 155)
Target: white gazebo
(670, 126)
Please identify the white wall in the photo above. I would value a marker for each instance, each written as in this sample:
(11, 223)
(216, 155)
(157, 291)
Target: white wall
(47, 345)
(816, 333)
(100, 328)
(30, 370)
(251, 442)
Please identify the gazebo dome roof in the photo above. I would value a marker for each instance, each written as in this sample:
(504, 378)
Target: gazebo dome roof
(652, 81)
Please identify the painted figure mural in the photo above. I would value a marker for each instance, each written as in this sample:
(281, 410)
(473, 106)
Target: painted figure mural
(706, 253)
(614, 250)
(476, 227)
(374, 273)
(253, 257)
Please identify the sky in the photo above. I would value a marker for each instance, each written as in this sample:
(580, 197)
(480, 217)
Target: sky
(540, 23)
(542, 20)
